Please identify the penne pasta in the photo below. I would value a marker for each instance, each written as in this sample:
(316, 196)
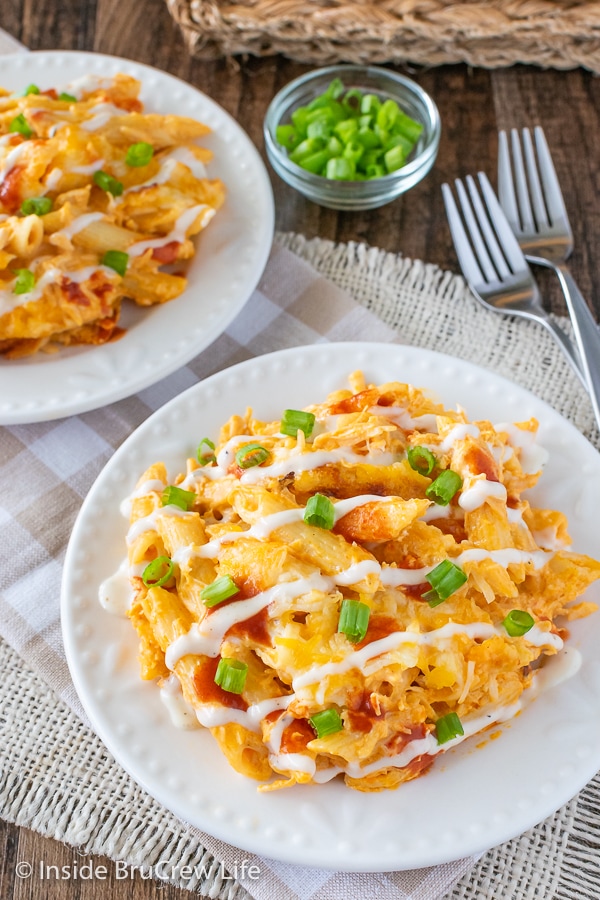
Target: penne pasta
(349, 590)
(96, 196)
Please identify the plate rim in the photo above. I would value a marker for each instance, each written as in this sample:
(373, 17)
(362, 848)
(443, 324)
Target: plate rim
(20, 411)
(216, 829)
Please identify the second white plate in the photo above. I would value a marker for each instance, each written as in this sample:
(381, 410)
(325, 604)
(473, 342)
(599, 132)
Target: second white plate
(231, 255)
(473, 798)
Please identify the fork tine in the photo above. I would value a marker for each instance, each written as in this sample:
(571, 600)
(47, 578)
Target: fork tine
(526, 215)
(506, 187)
(510, 246)
(477, 238)
(486, 229)
(535, 188)
(553, 193)
(466, 258)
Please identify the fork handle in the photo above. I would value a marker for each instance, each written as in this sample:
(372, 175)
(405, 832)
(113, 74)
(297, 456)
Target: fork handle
(587, 333)
(566, 345)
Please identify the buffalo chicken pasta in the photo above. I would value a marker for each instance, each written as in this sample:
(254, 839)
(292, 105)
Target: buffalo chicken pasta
(96, 197)
(351, 589)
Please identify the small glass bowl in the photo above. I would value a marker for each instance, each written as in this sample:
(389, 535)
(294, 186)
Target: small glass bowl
(355, 195)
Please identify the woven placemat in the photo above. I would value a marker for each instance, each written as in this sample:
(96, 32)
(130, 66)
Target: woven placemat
(563, 34)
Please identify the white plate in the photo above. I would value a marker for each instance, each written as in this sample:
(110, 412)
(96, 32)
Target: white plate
(473, 798)
(231, 256)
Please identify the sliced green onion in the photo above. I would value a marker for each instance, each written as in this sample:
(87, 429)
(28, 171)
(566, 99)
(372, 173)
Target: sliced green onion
(25, 281)
(518, 622)
(367, 138)
(158, 572)
(362, 123)
(31, 89)
(36, 206)
(206, 456)
(67, 98)
(353, 151)
(374, 171)
(352, 101)
(319, 129)
(108, 183)
(421, 460)
(295, 420)
(305, 148)
(251, 455)
(370, 103)
(316, 161)
(20, 125)
(117, 260)
(394, 158)
(445, 486)
(220, 589)
(286, 136)
(445, 579)
(354, 620)
(335, 89)
(231, 675)
(346, 130)
(139, 154)
(326, 722)
(408, 127)
(448, 727)
(340, 169)
(320, 511)
(176, 496)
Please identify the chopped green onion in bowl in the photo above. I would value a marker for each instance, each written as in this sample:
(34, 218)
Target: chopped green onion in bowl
(352, 137)
(349, 134)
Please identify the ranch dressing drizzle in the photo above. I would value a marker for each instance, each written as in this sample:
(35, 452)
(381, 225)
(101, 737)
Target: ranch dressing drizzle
(401, 417)
(479, 491)
(430, 745)
(506, 557)
(9, 300)
(303, 462)
(12, 157)
(515, 517)
(181, 713)
(358, 659)
(267, 524)
(211, 715)
(205, 637)
(456, 434)
(79, 223)
(168, 164)
(87, 84)
(149, 523)
(147, 487)
(437, 511)
(116, 593)
(103, 113)
(178, 234)
(53, 179)
(532, 457)
(88, 169)
(555, 670)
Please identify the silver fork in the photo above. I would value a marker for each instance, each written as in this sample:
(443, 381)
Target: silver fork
(492, 261)
(532, 200)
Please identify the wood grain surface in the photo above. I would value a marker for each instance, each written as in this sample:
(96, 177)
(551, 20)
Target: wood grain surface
(474, 104)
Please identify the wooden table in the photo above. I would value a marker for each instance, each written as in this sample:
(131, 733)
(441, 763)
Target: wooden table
(473, 104)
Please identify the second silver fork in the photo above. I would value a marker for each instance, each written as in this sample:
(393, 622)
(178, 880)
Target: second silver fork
(492, 261)
(532, 200)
